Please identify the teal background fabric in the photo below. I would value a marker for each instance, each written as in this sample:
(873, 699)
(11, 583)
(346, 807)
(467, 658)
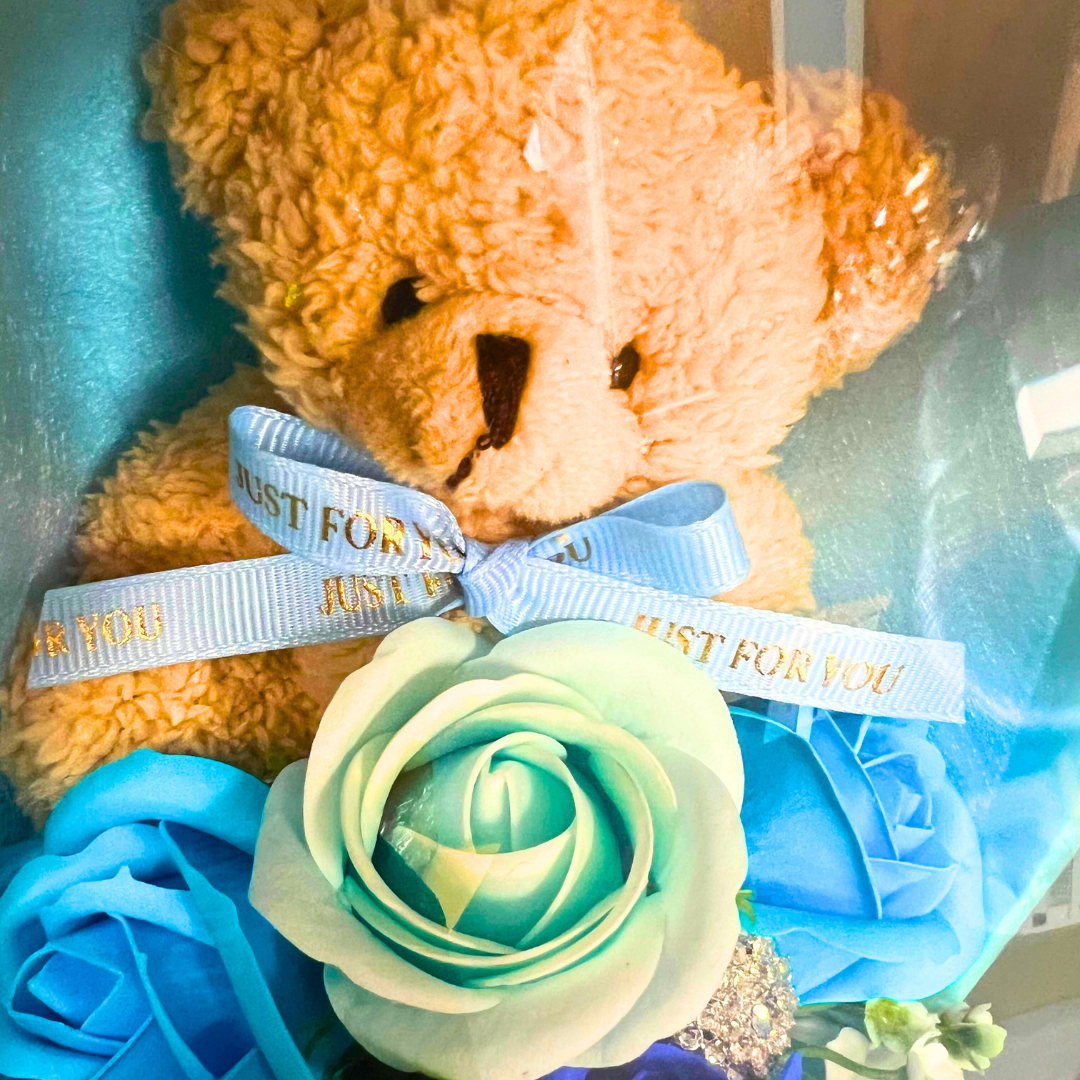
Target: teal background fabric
(109, 318)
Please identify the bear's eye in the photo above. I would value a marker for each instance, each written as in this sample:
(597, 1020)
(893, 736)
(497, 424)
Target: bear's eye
(624, 367)
(401, 301)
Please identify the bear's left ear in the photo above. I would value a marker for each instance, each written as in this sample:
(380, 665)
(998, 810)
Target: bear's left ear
(887, 201)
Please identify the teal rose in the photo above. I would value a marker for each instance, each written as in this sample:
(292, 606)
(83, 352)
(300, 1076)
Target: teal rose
(514, 857)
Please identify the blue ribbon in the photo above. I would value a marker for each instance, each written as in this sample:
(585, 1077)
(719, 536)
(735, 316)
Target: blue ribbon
(368, 556)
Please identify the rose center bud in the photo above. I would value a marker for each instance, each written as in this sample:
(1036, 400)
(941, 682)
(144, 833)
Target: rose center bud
(505, 840)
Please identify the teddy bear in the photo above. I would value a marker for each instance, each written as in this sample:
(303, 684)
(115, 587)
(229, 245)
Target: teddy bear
(537, 256)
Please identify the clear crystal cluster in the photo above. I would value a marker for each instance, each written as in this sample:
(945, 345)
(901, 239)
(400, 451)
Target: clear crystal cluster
(746, 1025)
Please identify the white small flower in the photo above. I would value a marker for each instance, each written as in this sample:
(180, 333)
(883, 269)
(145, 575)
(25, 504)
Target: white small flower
(929, 1060)
(858, 1049)
(971, 1037)
(898, 1025)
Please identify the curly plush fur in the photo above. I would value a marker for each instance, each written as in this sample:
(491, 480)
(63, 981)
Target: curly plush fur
(340, 146)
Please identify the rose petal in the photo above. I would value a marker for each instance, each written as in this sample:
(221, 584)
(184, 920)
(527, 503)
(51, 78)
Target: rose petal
(484, 797)
(630, 803)
(146, 786)
(147, 1054)
(219, 916)
(697, 896)
(533, 1029)
(411, 666)
(672, 700)
(454, 963)
(292, 892)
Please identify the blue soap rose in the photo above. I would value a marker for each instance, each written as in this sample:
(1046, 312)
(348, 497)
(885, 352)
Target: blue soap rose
(128, 948)
(864, 860)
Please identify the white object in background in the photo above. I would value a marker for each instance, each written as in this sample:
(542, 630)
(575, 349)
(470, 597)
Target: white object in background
(1059, 907)
(1049, 413)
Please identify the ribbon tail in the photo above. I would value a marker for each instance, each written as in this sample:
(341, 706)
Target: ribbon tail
(754, 653)
(225, 609)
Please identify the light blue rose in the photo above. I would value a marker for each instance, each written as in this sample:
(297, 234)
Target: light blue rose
(128, 949)
(865, 862)
(512, 858)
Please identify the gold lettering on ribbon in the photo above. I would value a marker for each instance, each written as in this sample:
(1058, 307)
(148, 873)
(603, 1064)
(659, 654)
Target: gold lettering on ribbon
(349, 597)
(710, 637)
(393, 535)
(373, 590)
(395, 585)
(684, 636)
(347, 603)
(140, 622)
(425, 545)
(372, 529)
(799, 666)
(852, 668)
(781, 656)
(108, 627)
(55, 640)
(273, 507)
(570, 547)
(328, 525)
(294, 502)
(653, 624)
(833, 665)
(88, 631)
(327, 607)
(881, 675)
(741, 653)
(858, 674)
(432, 583)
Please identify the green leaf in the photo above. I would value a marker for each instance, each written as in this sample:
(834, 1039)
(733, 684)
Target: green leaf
(744, 902)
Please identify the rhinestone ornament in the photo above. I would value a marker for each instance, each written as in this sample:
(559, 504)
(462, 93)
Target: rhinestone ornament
(746, 1026)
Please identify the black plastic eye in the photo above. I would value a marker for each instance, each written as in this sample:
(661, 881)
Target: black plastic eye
(624, 367)
(401, 301)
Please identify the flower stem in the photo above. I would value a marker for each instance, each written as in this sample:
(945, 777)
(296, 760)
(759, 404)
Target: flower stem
(826, 1054)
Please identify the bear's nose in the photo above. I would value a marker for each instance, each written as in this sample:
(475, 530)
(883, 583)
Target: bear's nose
(502, 365)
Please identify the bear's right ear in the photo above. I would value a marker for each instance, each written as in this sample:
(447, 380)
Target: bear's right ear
(232, 96)
(887, 203)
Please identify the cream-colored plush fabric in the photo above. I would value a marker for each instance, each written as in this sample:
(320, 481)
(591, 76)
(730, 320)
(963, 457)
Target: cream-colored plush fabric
(341, 146)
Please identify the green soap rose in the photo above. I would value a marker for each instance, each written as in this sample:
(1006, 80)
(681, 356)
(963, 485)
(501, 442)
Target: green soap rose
(516, 857)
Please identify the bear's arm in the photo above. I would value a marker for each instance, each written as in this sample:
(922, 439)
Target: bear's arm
(168, 506)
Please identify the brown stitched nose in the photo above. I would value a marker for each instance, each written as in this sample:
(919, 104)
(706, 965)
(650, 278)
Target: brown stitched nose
(502, 366)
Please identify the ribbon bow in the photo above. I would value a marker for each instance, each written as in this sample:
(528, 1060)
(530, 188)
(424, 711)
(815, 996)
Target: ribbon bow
(368, 555)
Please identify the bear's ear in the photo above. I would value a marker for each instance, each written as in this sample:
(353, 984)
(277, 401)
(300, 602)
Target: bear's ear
(887, 203)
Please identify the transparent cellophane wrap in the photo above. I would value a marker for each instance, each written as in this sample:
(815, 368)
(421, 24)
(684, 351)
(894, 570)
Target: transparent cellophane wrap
(929, 511)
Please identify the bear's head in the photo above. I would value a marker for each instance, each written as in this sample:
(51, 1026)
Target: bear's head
(542, 255)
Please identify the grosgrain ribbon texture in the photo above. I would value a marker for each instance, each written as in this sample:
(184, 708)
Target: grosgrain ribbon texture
(369, 555)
